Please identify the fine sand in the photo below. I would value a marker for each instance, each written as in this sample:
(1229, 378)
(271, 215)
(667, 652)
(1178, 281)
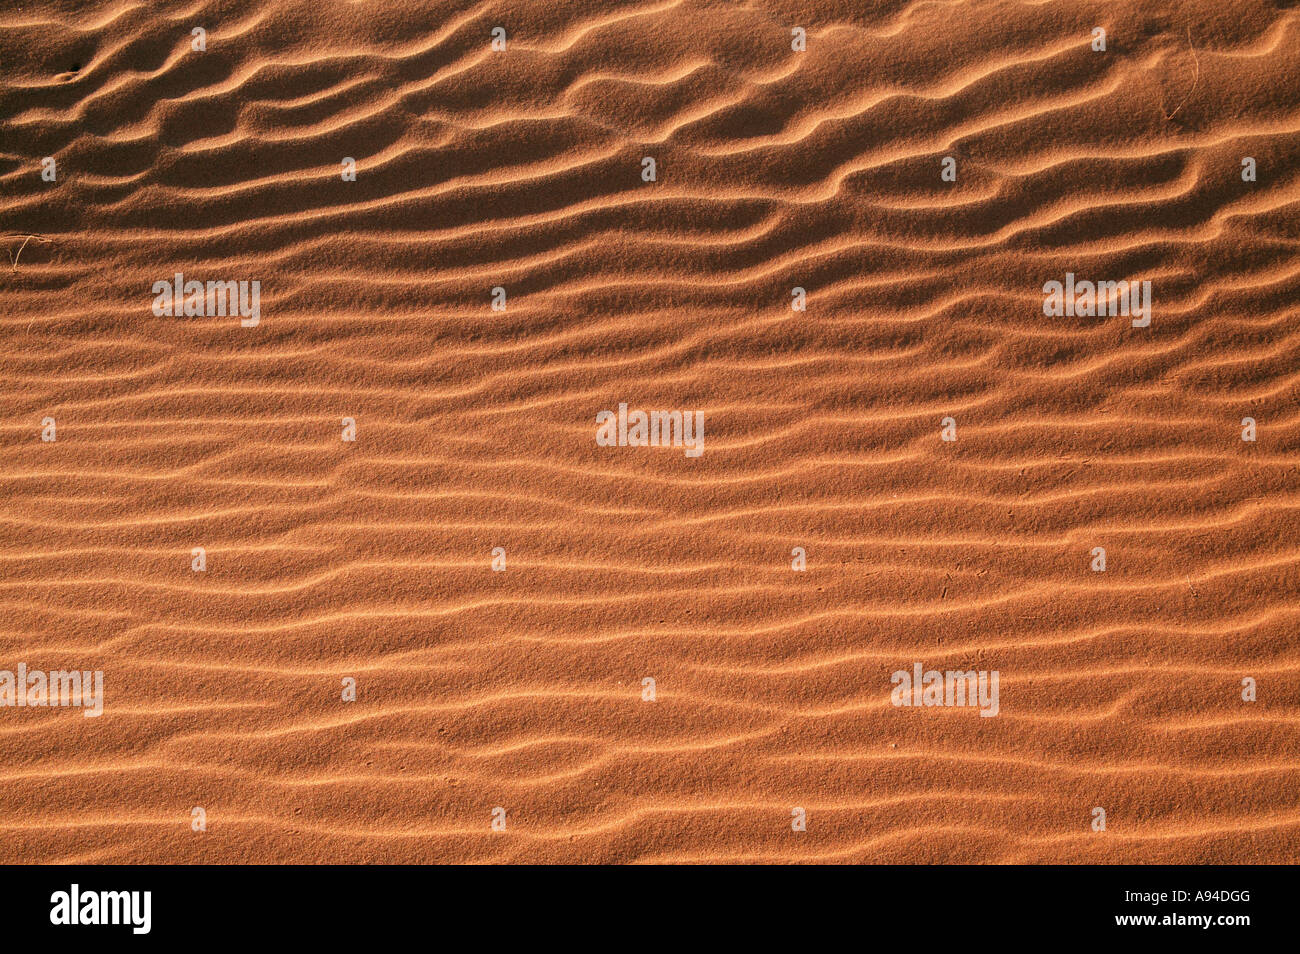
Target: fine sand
(522, 689)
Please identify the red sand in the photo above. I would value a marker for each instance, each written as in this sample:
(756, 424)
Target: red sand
(522, 689)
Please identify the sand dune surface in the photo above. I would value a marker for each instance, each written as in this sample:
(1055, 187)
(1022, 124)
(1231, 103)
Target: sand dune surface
(496, 584)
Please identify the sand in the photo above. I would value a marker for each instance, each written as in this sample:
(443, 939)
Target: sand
(521, 688)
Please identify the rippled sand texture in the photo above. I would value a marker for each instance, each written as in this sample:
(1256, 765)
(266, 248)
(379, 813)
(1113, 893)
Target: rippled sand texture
(476, 429)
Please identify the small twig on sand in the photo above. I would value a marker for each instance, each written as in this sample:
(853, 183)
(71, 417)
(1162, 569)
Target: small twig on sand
(13, 258)
(1195, 80)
